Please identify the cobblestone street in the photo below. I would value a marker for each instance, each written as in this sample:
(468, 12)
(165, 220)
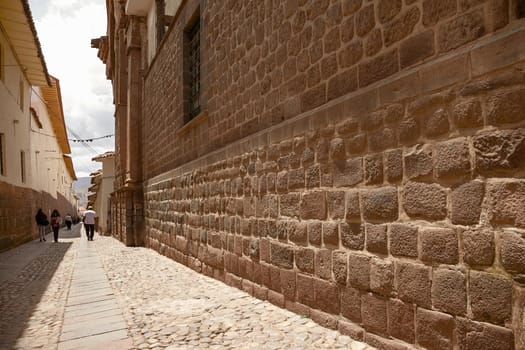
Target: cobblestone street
(165, 305)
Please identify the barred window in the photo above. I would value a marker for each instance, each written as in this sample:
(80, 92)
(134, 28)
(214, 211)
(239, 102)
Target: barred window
(2, 154)
(193, 62)
(23, 166)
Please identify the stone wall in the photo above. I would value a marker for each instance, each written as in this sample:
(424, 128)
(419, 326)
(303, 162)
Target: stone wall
(263, 62)
(17, 216)
(361, 163)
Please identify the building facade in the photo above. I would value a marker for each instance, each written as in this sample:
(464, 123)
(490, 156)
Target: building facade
(358, 162)
(101, 189)
(35, 168)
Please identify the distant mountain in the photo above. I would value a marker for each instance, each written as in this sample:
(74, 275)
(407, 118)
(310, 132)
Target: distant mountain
(81, 189)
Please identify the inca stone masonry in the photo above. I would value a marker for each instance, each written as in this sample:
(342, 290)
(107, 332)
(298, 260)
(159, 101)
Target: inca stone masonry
(360, 162)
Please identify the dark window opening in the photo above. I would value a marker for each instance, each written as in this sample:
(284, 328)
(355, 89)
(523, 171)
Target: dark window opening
(193, 71)
(23, 166)
(160, 8)
(2, 154)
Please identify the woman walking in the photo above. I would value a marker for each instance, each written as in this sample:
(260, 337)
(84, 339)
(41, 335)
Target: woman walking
(55, 223)
(41, 221)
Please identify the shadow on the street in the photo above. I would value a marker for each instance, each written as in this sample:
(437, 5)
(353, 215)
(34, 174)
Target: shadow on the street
(20, 293)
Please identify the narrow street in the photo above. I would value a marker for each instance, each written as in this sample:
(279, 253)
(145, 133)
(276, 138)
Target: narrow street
(77, 294)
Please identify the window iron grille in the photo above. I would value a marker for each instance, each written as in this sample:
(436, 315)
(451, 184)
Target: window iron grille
(194, 63)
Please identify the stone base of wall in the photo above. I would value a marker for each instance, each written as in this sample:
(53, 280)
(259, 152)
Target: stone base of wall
(395, 215)
(18, 207)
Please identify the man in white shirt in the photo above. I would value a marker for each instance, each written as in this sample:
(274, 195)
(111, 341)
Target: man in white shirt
(89, 222)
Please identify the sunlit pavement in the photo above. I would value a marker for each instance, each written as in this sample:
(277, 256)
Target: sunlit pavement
(79, 294)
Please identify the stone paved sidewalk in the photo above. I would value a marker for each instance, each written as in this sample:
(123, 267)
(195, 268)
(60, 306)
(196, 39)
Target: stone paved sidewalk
(165, 305)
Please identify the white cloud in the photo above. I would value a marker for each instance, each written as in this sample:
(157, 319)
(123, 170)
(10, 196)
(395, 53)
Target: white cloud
(65, 29)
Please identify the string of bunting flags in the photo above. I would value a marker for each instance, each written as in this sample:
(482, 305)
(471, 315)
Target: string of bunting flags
(92, 139)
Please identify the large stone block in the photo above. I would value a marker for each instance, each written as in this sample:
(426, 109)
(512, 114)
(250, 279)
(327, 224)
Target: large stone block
(378, 68)
(340, 266)
(500, 151)
(373, 313)
(352, 235)
(418, 161)
(326, 295)
(476, 335)
(403, 240)
(353, 211)
(337, 149)
(506, 107)
(382, 276)
(409, 130)
(289, 204)
(388, 9)
(297, 232)
(461, 30)
(402, 26)
(380, 205)
(281, 255)
(359, 270)
(466, 203)
(401, 323)
(434, 330)
(305, 289)
(342, 83)
(452, 158)
(413, 283)
(331, 234)
(434, 11)
(425, 201)
(315, 233)
(288, 284)
(304, 259)
(365, 20)
(313, 205)
(478, 247)
(323, 263)
(347, 173)
(512, 251)
(394, 165)
(373, 169)
(382, 139)
(336, 204)
(490, 297)
(467, 114)
(416, 48)
(351, 303)
(439, 245)
(376, 238)
(507, 203)
(449, 291)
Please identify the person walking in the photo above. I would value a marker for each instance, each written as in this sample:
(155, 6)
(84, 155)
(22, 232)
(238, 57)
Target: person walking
(55, 223)
(68, 221)
(42, 222)
(89, 222)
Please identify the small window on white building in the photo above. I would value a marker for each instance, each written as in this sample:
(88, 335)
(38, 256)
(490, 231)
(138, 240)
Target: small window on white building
(2, 154)
(21, 94)
(23, 166)
(37, 162)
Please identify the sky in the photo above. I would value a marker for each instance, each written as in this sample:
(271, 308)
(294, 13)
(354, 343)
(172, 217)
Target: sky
(65, 29)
